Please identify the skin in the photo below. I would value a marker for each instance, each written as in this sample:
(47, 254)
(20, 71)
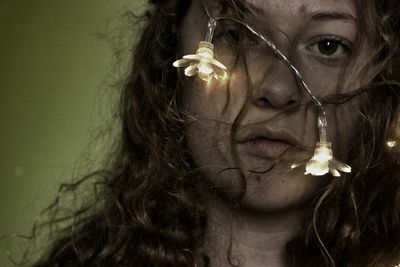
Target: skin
(271, 208)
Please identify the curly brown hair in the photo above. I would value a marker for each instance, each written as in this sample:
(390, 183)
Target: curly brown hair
(152, 211)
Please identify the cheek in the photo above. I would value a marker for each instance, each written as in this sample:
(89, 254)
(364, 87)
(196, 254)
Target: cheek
(343, 120)
(214, 103)
(329, 83)
(210, 118)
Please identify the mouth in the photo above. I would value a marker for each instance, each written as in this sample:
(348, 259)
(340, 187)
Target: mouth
(268, 144)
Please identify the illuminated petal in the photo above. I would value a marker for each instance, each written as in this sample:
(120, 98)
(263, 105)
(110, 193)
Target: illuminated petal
(191, 70)
(217, 63)
(192, 57)
(182, 62)
(334, 172)
(297, 164)
(338, 165)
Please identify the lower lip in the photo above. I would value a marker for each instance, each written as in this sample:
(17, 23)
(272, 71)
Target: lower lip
(265, 148)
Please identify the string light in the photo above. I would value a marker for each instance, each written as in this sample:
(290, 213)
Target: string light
(203, 62)
(207, 67)
(323, 162)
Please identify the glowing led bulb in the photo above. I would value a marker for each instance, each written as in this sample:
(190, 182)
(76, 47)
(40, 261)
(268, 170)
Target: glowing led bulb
(323, 162)
(391, 144)
(203, 63)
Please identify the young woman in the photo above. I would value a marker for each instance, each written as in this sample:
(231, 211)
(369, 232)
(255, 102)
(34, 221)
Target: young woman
(210, 170)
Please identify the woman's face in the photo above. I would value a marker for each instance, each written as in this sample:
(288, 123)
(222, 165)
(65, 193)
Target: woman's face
(242, 128)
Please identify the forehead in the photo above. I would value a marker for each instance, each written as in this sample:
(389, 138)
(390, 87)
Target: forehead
(289, 16)
(301, 8)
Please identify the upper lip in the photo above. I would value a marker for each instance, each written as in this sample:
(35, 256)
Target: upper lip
(278, 135)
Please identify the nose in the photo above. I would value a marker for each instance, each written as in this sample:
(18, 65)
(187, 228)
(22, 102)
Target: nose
(276, 87)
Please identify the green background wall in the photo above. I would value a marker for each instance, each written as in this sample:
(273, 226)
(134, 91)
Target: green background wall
(53, 67)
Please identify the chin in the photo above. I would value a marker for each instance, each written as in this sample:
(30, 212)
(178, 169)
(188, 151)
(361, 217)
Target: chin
(277, 193)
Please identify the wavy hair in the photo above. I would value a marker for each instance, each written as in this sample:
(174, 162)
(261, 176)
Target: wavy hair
(151, 210)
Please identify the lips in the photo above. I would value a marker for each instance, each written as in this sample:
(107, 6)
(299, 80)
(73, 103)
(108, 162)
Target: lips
(266, 143)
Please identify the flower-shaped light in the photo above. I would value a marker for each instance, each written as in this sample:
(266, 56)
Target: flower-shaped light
(203, 63)
(391, 143)
(323, 162)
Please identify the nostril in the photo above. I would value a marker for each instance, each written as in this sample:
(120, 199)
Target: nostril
(263, 102)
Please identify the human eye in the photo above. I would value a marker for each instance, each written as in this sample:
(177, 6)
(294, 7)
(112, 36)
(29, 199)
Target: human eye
(330, 49)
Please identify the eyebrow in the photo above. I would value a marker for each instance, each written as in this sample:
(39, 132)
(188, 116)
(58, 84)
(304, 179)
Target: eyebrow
(328, 16)
(316, 16)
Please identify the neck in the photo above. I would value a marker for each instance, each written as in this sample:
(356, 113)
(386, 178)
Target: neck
(255, 238)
